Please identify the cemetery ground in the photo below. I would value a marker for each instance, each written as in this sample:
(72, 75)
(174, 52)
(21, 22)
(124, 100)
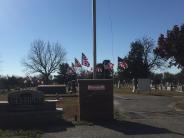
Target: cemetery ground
(148, 114)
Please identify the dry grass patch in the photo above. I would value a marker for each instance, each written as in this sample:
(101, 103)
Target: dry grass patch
(70, 107)
(3, 97)
(166, 93)
(123, 91)
(128, 91)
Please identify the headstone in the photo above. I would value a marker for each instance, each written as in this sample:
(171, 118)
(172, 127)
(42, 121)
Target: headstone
(96, 99)
(26, 97)
(144, 84)
(28, 100)
(134, 84)
(169, 88)
(163, 87)
(119, 83)
(160, 87)
(179, 88)
(27, 108)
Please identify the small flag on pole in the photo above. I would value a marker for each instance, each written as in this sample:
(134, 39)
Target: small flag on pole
(70, 71)
(108, 65)
(111, 66)
(122, 63)
(73, 66)
(85, 60)
(77, 63)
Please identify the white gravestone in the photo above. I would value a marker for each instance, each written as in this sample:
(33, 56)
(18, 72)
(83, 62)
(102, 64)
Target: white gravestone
(168, 88)
(179, 88)
(144, 84)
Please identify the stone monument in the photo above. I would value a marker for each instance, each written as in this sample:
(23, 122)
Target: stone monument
(144, 85)
(27, 108)
(96, 99)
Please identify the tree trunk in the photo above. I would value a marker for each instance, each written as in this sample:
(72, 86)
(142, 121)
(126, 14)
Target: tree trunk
(46, 79)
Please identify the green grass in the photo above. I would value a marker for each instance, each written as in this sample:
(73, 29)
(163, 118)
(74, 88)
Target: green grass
(20, 134)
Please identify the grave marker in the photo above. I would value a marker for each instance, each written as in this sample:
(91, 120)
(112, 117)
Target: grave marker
(144, 84)
(96, 99)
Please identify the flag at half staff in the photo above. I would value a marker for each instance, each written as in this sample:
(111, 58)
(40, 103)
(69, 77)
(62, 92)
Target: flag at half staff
(77, 63)
(85, 60)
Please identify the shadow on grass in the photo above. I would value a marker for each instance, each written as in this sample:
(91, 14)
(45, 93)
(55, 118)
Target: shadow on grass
(44, 127)
(133, 128)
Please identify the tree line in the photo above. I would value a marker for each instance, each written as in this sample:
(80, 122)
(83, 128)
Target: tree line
(143, 59)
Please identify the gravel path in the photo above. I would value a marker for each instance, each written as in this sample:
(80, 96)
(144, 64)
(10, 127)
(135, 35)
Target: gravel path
(141, 117)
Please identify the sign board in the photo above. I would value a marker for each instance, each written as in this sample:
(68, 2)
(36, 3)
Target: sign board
(96, 87)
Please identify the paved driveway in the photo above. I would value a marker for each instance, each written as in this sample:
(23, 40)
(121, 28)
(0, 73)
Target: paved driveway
(147, 106)
(140, 117)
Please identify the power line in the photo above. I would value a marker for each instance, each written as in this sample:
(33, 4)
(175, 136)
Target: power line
(112, 33)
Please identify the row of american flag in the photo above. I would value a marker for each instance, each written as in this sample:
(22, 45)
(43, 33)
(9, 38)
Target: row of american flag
(122, 64)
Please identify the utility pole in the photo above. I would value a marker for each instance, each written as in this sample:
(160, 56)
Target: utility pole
(94, 37)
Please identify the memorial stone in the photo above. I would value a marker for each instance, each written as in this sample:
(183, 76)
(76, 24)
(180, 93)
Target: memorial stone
(28, 108)
(26, 97)
(144, 84)
(96, 99)
(179, 88)
(169, 88)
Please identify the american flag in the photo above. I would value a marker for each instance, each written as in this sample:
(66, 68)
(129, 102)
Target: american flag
(108, 66)
(85, 60)
(122, 63)
(70, 71)
(77, 63)
(73, 65)
(111, 66)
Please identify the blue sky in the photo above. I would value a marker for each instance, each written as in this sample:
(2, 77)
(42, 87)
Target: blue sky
(69, 22)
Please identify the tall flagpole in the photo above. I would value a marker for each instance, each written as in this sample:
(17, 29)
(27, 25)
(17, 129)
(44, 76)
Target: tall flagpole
(94, 37)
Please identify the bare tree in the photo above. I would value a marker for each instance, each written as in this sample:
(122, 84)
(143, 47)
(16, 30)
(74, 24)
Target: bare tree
(44, 58)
